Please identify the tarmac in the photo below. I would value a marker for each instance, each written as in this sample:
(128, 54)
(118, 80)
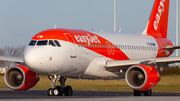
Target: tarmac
(41, 95)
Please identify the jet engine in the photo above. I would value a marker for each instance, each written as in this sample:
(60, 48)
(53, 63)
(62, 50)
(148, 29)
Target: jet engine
(20, 78)
(142, 77)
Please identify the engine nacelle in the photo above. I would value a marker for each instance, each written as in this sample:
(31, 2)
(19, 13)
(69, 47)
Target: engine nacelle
(142, 77)
(20, 78)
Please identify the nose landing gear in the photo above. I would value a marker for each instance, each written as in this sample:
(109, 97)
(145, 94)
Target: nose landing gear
(59, 90)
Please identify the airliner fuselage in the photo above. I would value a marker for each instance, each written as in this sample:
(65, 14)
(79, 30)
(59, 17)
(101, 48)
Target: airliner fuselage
(69, 52)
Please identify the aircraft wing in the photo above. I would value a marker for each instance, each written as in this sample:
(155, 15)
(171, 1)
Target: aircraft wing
(125, 64)
(11, 59)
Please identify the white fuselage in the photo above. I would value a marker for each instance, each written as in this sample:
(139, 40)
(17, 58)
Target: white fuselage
(73, 59)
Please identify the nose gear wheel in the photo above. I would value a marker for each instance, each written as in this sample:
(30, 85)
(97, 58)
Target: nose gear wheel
(59, 90)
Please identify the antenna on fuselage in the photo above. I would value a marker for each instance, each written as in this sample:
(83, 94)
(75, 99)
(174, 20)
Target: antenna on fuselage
(55, 26)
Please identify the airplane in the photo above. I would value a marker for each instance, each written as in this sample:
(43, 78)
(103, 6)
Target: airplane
(81, 54)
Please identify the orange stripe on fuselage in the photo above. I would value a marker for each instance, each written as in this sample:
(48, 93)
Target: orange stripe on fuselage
(86, 39)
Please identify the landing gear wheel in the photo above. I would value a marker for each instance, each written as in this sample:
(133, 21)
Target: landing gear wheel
(148, 92)
(60, 90)
(50, 92)
(68, 91)
(55, 92)
(137, 93)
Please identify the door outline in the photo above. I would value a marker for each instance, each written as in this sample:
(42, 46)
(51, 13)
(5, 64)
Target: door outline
(110, 48)
(72, 45)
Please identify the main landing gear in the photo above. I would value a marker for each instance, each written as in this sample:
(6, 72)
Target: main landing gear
(146, 93)
(59, 90)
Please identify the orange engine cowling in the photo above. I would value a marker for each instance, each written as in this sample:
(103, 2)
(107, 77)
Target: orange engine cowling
(142, 77)
(20, 78)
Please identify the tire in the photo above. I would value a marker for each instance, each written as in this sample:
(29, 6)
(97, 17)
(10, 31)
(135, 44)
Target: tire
(148, 92)
(68, 91)
(137, 93)
(60, 89)
(55, 92)
(50, 92)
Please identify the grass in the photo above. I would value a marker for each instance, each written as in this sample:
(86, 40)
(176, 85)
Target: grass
(173, 70)
(167, 84)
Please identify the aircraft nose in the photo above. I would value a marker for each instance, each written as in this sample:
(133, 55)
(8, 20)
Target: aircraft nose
(30, 58)
(42, 60)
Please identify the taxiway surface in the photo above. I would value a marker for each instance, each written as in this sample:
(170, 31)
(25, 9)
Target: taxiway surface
(41, 95)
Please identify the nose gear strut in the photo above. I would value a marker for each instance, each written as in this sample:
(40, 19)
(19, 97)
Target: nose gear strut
(59, 90)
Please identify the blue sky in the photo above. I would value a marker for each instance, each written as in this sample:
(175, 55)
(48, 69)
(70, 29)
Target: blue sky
(20, 20)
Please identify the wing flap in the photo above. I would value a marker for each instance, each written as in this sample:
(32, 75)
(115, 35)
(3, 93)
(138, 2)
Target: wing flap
(125, 64)
(122, 63)
(168, 60)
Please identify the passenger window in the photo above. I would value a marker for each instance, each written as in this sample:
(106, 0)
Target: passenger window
(57, 43)
(43, 42)
(104, 46)
(97, 46)
(32, 43)
(51, 43)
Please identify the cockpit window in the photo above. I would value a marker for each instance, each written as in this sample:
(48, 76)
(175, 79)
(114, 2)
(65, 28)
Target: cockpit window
(51, 43)
(32, 43)
(54, 43)
(42, 42)
(57, 43)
